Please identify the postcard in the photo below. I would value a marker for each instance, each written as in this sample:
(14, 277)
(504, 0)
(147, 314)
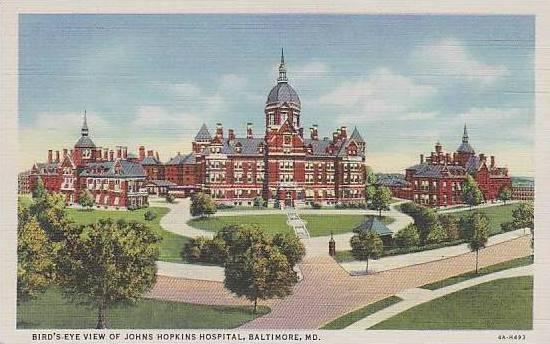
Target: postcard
(216, 172)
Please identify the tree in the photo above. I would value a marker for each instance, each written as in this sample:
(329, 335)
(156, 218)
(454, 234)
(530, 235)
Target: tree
(505, 194)
(290, 246)
(370, 188)
(259, 202)
(202, 205)
(35, 265)
(366, 245)
(450, 225)
(51, 215)
(255, 268)
(170, 198)
(381, 199)
(408, 236)
(523, 216)
(471, 194)
(39, 190)
(425, 220)
(436, 235)
(478, 233)
(86, 199)
(109, 263)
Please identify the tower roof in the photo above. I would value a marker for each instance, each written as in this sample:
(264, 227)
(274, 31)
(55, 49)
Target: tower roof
(283, 92)
(203, 134)
(356, 136)
(84, 141)
(465, 147)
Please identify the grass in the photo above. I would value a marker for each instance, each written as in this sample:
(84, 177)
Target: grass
(514, 263)
(352, 317)
(51, 310)
(497, 215)
(171, 244)
(504, 304)
(317, 225)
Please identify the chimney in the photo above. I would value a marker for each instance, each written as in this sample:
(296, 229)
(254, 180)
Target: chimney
(492, 161)
(50, 152)
(334, 136)
(111, 155)
(249, 134)
(219, 130)
(125, 152)
(106, 154)
(231, 134)
(339, 133)
(344, 131)
(157, 156)
(65, 152)
(150, 153)
(482, 157)
(56, 156)
(141, 153)
(421, 158)
(315, 133)
(118, 152)
(448, 158)
(301, 132)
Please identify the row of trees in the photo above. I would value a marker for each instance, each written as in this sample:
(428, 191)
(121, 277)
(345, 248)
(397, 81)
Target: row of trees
(257, 266)
(101, 264)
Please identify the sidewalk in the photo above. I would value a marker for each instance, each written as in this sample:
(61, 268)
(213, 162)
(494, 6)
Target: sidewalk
(399, 261)
(416, 296)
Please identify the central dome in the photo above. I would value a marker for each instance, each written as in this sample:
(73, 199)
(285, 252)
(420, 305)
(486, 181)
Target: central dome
(283, 93)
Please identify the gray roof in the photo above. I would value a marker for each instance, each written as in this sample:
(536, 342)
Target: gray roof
(107, 169)
(355, 135)
(249, 146)
(391, 179)
(283, 93)
(473, 164)
(427, 170)
(319, 147)
(372, 223)
(84, 142)
(161, 182)
(182, 159)
(465, 148)
(47, 168)
(150, 160)
(203, 134)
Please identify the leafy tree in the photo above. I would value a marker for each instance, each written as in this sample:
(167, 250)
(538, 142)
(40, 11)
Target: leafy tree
(523, 216)
(202, 205)
(51, 215)
(471, 194)
(436, 235)
(259, 202)
(170, 198)
(381, 199)
(450, 225)
(370, 188)
(408, 236)
(192, 249)
(370, 191)
(505, 194)
(86, 199)
(149, 215)
(109, 263)
(290, 246)
(370, 177)
(35, 264)
(478, 233)
(425, 220)
(39, 190)
(255, 268)
(366, 245)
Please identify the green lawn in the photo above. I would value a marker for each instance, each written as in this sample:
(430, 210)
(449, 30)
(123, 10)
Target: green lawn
(51, 310)
(497, 215)
(504, 304)
(514, 263)
(171, 244)
(348, 319)
(317, 225)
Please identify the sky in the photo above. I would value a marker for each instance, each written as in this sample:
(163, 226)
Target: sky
(406, 82)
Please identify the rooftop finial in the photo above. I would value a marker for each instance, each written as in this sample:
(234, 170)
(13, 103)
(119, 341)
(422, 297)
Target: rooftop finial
(84, 130)
(465, 135)
(282, 68)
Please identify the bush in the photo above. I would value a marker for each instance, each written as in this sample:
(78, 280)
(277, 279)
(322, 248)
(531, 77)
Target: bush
(277, 203)
(170, 198)
(226, 206)
(436, 235)
(507, 226)
(316, 205)
(259, 202)
(192, 250)
(450, 225)
(149, 215)
(407, 237)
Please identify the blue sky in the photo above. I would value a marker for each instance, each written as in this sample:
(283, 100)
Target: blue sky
(404, 81)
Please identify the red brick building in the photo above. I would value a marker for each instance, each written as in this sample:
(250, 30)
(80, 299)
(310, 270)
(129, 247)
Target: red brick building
(437, 180)
(283, 164)
(114, 180)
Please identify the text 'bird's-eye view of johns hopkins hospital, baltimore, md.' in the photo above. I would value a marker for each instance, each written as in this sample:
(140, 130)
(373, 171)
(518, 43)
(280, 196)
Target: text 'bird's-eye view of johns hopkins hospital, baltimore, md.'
(285, 171)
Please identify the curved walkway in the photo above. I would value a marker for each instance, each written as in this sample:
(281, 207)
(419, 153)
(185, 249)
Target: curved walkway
(416, 296)
(327, 292)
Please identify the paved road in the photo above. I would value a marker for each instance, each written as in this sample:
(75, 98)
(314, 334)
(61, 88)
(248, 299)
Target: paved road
(326, 291)
(416, 296)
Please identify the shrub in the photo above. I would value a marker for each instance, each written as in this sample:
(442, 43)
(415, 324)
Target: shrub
(436, 235)
(316, 205)
(192, 250)
(277, 203)
(450, 225)
(507, 226)
(407, 237)
(149, 215)
(226, 206)
(169, 198)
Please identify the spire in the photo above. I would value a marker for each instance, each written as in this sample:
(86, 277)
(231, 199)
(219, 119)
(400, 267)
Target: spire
(282, 68)
(465, 135)
(84, 130)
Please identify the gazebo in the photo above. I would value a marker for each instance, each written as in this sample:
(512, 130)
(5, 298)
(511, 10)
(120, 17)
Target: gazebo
(372, 223)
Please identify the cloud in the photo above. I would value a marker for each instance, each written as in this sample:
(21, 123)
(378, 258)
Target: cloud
(384, 95)
(313, 69)
(451, 58)
(232, 82)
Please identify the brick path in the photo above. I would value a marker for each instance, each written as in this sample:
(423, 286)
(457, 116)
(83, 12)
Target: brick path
(327, 291)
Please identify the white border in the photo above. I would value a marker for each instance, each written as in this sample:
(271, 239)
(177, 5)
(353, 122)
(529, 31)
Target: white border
(9, 10)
